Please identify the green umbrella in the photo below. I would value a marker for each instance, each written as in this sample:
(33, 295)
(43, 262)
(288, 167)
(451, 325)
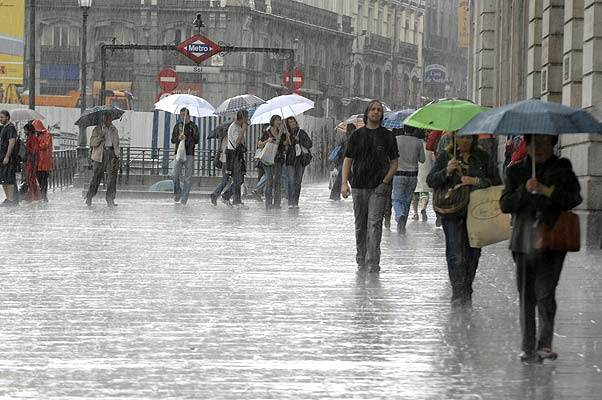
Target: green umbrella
(445, 115)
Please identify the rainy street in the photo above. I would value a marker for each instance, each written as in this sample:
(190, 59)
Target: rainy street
(152, 300)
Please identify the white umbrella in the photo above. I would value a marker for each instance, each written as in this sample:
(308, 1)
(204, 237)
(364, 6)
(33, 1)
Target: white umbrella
(237, 103)
(288, 105)
(197, 106)
(25, 114)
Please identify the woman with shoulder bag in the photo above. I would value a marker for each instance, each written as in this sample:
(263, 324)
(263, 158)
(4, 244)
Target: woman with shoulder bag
(536, 201)
(274, 171)
(461, 168)
(296, 159)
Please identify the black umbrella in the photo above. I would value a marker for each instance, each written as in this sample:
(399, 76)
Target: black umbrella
(220, 131)
(93, 116)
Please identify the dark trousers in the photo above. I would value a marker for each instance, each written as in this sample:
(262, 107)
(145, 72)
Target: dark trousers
(110, 165)
(368, 209)
(295, 177)
(335, 192)
(237, 179)
(43, 177)
(537, 276)
(462, 260)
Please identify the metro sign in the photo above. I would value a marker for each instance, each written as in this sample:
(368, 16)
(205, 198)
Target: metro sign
(198, 48)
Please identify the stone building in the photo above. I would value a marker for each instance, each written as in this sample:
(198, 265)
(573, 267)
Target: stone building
(322, 40)
(547, 49)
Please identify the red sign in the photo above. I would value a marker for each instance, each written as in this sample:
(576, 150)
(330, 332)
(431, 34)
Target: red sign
(198, 48)
(298, 79)
(168, 79)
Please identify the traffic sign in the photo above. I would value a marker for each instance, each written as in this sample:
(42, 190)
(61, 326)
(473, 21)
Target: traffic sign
(195, 69)
(298, 78)
(168, 79)
(198, 48)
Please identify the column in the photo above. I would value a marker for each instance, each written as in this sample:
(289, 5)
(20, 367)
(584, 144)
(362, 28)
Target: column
(572, 71)
(552, 50)
(534, 50)
(484, 58)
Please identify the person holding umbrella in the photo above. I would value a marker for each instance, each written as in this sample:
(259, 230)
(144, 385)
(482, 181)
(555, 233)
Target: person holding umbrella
(104, 143)
(185, 133)
(462, 163)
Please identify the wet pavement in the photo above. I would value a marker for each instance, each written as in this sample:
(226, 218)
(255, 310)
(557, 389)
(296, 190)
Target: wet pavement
(157, 301)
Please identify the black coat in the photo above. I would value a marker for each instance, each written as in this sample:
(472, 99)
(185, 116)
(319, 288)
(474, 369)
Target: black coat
(528, 208)
(192, 136)
(304, 140)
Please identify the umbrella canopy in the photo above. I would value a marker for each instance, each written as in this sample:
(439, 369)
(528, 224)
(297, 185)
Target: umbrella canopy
(93, 116)
(220, 131)
(357, 120)
(237, 103)
(394, 119)
(446, 115)
(288, 105)
(25, 114)
(532, 117)
(197, 106)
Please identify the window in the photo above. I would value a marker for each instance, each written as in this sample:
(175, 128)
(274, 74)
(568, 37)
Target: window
(222, 20)
(370, 20)
(379, 24)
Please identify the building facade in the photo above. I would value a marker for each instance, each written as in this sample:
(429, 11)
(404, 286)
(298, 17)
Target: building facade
(546, 49)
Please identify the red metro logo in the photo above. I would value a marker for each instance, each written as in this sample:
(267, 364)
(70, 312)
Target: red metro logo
(198, 48)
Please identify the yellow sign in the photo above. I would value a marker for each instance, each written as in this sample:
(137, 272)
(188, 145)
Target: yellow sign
(463, 24)
(12, 44)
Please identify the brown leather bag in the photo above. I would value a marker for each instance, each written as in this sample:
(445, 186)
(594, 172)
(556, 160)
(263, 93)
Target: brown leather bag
(563, 236)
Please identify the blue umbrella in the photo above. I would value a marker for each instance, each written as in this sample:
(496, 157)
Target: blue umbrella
(394, 119)
(532, 117)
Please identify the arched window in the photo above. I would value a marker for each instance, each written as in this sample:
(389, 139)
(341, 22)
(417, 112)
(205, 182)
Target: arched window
(357, 79)
(367, 81)
(387, 85)
(378, 83)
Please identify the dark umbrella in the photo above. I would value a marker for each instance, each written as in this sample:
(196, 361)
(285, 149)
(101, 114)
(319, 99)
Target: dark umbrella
(93, 116)
(220, 131)
(534, 117)
(394, 119)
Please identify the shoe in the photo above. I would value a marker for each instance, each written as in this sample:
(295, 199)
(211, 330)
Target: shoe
(88, 201)
(424, 216)
(546, 354)
(214, 200)
(362, 268)
(111, 203)
(526, 356)
(176, 197)
(7, 203)
(183, 202)
(256, 194)
(290, 207)
(438, 221)
(226, 202)
(401, 226)
(374, 269)
(415, 217)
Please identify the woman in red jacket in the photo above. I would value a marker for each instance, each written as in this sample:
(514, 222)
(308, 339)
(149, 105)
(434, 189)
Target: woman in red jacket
(44, 166)
(31, 156)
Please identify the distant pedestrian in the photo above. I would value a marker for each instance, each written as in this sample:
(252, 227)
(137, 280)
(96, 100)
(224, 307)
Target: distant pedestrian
(8, 159)
(295, 163)
(465, 164)
(104, 143)
(45, 162)
(274, 172)
(235, 161)
(411, 152)
(534, 201)
(226, 179)
(335, 192)
(186, 133)
(422, 192)
(371, 157)
(31, 163)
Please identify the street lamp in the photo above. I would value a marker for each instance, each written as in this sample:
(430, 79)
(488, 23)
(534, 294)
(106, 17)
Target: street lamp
(198, 22)
(85, 6)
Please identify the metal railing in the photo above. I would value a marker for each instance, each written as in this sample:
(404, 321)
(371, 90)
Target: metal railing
(64, 168)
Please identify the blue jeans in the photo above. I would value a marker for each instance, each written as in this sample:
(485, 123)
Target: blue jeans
(237, 180)
(295, 177)
(260, 187)
(462, 260)
(223, 183)
(272, 189)
(182, 190)
(403, 190)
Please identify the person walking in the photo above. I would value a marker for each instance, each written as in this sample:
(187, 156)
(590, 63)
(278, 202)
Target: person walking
(31, 163)
(104, 143)
(533, 201)
(45, 149)
(295, 164)
(223, 184)
(371, 157)
(411, 152)
(8, 160)
(274, 172)
(422, 191)
(468, 165)
(235, 151)
(185, 133)
(335, 192)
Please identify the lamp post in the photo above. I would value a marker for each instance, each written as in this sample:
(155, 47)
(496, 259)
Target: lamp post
(85, 6)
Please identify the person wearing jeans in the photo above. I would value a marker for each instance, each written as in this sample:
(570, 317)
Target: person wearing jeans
(274, 172)
(225, 177)
(234, 158)
(371, 156)
(294, 162)
(187, 133)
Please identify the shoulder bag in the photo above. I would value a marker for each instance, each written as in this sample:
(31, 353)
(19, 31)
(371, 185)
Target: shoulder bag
(564, 235)
(450, 201)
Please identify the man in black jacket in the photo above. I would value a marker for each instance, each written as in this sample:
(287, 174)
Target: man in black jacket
(185, 133)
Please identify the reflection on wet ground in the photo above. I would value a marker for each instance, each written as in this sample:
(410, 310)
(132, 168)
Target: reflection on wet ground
(152, 300)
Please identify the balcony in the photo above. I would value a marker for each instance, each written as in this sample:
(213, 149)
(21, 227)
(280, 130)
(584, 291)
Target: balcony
(378, 43)
(304, 13)
(408, 52)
